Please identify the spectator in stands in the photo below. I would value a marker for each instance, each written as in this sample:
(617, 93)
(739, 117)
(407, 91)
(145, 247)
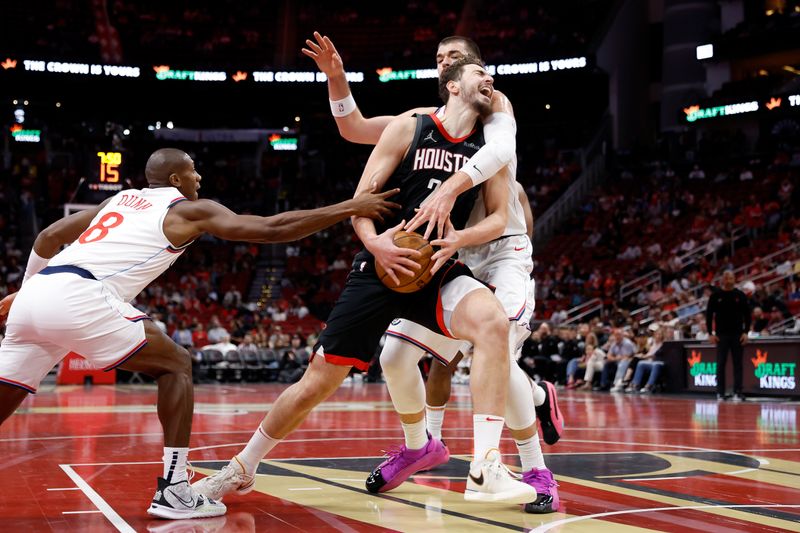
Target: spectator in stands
(697, 173)
(648, 363)
(594, 358)
(183, 335)
(199, 335)
(156, 318)
(215, 330)
(546, 363)
(232, 298)
(224, 345)
(558, 317)
(248, 344)
(759, 321)
(619, 355)
(702, 333)
(299, 348)
(291, 368)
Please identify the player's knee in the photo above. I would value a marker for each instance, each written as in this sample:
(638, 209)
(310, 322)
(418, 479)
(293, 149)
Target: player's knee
(492, 323)
(394, 358)
(180, 361)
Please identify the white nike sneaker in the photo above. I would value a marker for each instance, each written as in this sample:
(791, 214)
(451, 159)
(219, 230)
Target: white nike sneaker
(179, 500)
(232, 478)
(490, 481)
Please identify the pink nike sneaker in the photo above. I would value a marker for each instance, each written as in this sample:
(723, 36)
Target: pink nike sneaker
(402, 463)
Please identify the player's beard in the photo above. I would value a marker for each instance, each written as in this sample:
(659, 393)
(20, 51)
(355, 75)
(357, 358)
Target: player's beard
(477, 102)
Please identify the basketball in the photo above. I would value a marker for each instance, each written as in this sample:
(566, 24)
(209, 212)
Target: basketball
(421, 277)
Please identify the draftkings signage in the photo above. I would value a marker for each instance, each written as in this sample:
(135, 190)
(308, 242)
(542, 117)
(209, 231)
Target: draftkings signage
(767, 368)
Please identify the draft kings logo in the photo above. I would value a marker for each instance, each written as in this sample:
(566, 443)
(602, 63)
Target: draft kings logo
(705, 374)
(773, 375)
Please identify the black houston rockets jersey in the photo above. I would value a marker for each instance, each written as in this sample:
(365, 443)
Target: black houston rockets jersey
(432, 158)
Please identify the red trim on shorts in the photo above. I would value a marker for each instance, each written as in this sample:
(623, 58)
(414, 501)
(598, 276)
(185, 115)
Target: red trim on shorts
(418, 344)
(439, 309)
(447, 135)
(342, 361)
(519, 313)
(126, 356)
(22, 386)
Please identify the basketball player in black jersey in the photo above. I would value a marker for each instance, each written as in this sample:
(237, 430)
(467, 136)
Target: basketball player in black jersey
(415, 152)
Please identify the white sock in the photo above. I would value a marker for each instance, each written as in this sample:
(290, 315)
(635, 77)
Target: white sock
(530, 453)
(486, 432)
(416, 436)
(435, 419)
(175, 464)
(538, 394)
(260, 445)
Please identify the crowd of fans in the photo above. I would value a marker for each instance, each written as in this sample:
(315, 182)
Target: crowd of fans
(157, 33)
(681, 225)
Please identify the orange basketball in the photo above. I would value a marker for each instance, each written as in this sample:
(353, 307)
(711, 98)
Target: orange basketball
(421, 277)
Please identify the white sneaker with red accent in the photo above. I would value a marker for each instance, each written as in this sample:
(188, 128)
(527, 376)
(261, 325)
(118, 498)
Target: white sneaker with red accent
(490, 481)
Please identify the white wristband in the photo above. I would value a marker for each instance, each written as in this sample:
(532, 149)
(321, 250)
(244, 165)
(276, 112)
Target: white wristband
(343, 107)
(35, 264)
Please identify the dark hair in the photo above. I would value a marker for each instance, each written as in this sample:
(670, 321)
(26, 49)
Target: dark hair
(453, 73)
(472, 46)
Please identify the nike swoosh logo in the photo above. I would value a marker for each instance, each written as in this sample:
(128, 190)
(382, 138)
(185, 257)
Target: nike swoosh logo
(479, 170)
(190, 503)
(490, 419)
(519, 249)
(477, 480)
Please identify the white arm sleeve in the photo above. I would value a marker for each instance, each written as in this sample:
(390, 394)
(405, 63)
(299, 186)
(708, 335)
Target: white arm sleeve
(500, 133)
(35, 264)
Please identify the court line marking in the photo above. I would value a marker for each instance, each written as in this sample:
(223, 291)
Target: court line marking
(108, 511)
(652, 478)
(81, 512)
(306, 488)
(557, 523)
(736, 472)
(616, 452)
(396, 430)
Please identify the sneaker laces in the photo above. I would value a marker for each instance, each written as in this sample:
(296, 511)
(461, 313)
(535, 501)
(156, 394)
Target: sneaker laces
(499, 469)
(190, 472)
(393, 453)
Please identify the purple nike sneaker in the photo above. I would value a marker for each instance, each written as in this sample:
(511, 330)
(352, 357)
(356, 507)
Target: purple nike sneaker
(547, 500)
(402, 463)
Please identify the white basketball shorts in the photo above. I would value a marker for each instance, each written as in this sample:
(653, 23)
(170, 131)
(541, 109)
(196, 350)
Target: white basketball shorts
(506, 264)
(54, 314)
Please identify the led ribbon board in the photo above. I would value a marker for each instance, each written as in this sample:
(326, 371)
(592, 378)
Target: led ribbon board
(387, 74)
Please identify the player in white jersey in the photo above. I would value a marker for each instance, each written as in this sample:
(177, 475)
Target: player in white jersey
(77, 300)
(504, 263)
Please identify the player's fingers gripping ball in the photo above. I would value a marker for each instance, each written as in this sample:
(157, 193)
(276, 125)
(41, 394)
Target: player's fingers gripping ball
(421, 277)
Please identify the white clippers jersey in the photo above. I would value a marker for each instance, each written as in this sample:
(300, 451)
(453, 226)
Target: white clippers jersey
(125, 247)
(516, 216)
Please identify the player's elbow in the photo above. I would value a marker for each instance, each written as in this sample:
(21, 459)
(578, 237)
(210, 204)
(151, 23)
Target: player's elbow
(51, 238)
(504, 149)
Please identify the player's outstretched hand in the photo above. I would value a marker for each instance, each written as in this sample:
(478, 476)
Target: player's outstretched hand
(324, 55)
(393, 259)
(448, 245)
(5, 304)
(435, 211)
(373, 204)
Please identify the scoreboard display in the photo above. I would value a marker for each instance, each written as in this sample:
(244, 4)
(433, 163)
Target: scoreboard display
(107, 176)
